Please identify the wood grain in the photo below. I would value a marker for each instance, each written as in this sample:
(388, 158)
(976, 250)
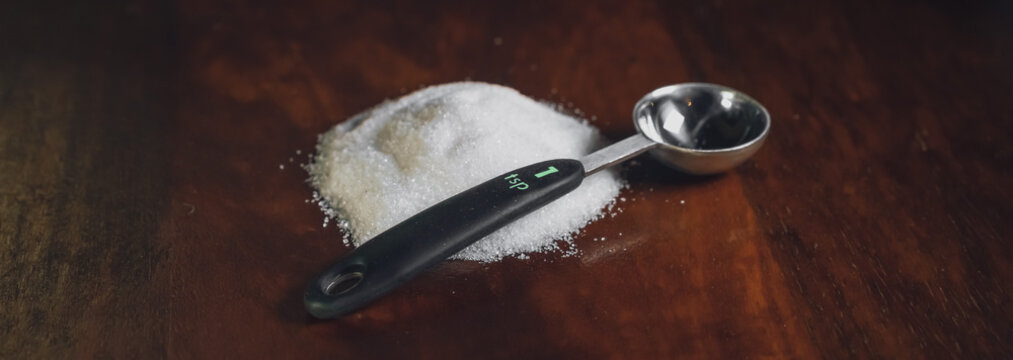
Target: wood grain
(152, 204)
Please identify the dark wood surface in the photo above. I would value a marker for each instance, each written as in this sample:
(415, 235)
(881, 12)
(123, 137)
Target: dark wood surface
(143, 212)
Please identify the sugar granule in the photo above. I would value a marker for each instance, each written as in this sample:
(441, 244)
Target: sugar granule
(392, 161)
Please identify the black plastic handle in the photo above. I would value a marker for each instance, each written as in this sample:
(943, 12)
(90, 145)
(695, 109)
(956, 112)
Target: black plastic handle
(424, 240)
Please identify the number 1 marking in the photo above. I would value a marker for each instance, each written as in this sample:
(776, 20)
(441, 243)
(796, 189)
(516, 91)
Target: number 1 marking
(551, 170)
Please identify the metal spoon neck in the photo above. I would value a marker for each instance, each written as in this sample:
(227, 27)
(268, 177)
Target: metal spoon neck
(616, 153)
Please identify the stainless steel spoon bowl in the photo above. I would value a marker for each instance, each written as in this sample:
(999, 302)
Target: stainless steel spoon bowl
(702, 128)
(696, 128)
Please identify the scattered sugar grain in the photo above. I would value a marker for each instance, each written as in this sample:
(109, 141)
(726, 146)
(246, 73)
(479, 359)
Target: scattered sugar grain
(390, 162)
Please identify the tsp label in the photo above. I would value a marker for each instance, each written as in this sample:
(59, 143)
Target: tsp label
(516, 182)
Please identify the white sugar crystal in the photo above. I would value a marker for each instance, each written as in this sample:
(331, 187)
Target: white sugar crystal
(390, 162)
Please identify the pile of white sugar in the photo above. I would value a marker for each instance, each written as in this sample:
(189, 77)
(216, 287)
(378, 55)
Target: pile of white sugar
(395, 160)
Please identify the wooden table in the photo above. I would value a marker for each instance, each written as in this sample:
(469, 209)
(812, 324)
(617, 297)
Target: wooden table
(144, 212)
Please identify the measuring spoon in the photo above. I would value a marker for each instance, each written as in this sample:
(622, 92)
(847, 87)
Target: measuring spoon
(696, 128)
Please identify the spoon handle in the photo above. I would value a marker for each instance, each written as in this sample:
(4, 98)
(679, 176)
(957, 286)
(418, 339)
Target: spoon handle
(427, 238)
